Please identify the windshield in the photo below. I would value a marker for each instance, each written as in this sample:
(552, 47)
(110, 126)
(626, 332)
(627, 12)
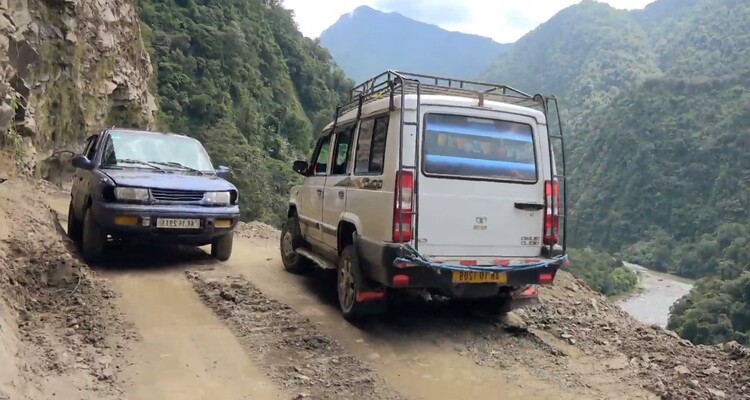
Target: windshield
(155, 150)
(461, 146)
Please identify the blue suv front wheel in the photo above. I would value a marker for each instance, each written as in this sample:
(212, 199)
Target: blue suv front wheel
(94, 239)
(221, 247)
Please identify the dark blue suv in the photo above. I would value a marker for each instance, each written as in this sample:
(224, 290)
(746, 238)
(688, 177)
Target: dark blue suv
(142, 186)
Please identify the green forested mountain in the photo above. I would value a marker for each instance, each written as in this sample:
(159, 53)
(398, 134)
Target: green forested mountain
(699, 38)
(673, 168)
(367, 42)
(657, 105)
(585, 55)
(239, 76)
(715, 311)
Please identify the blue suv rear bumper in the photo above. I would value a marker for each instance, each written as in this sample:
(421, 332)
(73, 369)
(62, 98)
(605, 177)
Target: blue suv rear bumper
(138, 222)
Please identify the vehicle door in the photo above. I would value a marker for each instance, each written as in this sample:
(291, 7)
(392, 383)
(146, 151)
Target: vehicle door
(310, 199)
(481, 192)
(337, 182)
(79, 184)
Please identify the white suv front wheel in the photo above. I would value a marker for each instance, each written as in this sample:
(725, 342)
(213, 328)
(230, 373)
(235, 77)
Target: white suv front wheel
(291, 239)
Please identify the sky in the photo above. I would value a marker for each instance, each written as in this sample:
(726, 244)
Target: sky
(502, 20)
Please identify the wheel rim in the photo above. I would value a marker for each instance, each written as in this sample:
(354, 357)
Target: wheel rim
(346, 285)
(286, 245)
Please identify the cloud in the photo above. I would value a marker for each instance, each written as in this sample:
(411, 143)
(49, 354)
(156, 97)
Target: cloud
(315, 16)
(438, 12)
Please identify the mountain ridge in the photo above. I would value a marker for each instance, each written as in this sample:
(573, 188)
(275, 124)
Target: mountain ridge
(362, 41)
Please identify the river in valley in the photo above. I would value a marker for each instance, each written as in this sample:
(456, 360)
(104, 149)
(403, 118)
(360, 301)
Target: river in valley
(659, 292)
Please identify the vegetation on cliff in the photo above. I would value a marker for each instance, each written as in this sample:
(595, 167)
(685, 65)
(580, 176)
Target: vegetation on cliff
(602, 272)
(237, 75)
(715, 311)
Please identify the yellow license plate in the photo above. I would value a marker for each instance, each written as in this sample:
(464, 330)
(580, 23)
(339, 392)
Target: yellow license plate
(479, 277)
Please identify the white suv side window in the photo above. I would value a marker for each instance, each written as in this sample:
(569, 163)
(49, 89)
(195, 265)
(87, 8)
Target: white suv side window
(320, 163)
(371, 146)
(341, 165)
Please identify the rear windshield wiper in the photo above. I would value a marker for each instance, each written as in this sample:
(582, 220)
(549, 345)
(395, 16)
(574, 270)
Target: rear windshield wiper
(131, 161)
(178, 165)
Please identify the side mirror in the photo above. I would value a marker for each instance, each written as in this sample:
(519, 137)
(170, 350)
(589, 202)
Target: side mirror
(222, 171)
(82, 162)
(300, 167)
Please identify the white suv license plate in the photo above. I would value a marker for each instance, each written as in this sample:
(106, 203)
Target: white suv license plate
(178, 223)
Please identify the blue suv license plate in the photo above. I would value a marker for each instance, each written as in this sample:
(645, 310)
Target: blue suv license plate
(178, 223)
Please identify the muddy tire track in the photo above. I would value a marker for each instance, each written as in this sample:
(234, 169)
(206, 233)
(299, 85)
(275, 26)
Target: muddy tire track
(291, 349)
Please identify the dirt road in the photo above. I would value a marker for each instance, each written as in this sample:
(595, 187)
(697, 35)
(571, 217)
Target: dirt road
(188, 327)
(263, 316)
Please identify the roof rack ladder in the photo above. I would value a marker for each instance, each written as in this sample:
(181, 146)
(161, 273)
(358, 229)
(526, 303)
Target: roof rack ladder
(403, 122)
(553, 139)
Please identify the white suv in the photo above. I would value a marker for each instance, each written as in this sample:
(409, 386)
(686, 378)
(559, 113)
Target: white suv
(441, 185)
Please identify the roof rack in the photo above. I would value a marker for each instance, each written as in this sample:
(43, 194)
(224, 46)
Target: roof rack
(389, 83)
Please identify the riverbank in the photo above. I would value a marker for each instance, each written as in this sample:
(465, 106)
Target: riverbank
(637, 290)
(655, 295)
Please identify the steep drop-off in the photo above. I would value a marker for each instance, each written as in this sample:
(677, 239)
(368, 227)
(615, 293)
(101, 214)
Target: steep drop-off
(656, 103)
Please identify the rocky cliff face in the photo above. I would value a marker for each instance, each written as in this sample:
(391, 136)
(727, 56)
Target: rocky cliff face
(67, 69)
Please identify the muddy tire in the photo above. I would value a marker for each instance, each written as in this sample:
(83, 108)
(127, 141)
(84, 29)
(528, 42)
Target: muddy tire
(93, 239)
(75, 227)
(349, 283)
(221, 247)
(291, 239)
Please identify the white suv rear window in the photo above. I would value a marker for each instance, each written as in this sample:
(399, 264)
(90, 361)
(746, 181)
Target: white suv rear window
(480, 148)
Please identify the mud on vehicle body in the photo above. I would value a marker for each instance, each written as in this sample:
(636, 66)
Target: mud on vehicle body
(446, 186)
(150, 187)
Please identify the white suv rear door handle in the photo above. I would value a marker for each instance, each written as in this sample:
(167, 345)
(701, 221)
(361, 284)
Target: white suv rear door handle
(529, 206)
